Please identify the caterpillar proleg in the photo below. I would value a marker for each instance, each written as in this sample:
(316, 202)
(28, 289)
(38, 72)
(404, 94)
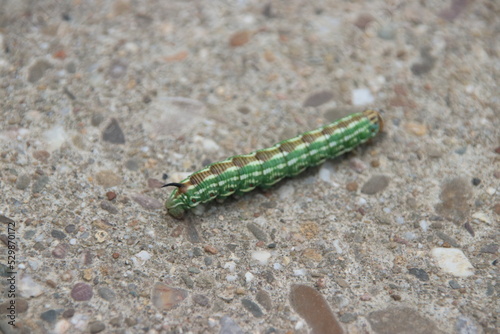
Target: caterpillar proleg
(265, 167)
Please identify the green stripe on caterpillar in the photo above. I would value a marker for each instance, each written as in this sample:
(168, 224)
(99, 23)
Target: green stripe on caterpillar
(263, 168)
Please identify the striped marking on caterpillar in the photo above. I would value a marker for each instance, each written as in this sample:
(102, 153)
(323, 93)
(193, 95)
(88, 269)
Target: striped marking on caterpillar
(265, 167)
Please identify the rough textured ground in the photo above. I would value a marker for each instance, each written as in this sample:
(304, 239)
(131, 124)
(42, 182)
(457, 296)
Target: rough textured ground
(101, 102)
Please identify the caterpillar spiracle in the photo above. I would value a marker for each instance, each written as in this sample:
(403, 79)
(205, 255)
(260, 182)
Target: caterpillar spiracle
(263, 168)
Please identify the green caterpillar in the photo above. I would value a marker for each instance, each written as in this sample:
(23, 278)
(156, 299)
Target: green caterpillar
(263, 168)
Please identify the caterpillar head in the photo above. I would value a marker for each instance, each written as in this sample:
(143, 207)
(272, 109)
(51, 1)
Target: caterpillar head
(175, 204)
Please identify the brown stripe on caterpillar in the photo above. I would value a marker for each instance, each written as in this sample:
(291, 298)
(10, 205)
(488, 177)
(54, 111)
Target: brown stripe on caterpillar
(268, 154)
(243, 160)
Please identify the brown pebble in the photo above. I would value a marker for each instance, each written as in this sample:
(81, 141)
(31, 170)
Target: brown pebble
(210, 249)
(352, 186)
(375, 163)
(314, 309)
(51, 283)
(260, 244)
(179, 56)
(60, 251)
(396, 297)
(68, 313)
(320, 283)
(81, 292)
(111, 195)
(446, 245)
(41, 155)
(497, 150)
(416, 129)
(240, 38)
(469, 229)
(155, 183)
(363, 20)
(115, 255)
(165, 298)
(496, 208)
(365, 297)
(176, 232)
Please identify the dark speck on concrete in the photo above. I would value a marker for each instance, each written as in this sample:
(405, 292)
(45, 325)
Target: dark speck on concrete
(252, 307)
(419, 273)
(113, 133)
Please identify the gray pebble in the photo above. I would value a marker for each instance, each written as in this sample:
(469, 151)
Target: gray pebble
(96, 119)
(29, 234)
(419, 273)
(107, 206)
(40, 184)
(387, 32)
(348, 317)
(70, 228)
(194, 270)
(58, 234)
(133, 164)
(106, 294)
(96, 327)
(22, 182)
(49, 316)
(229, 326)
(257, 232)
(148, 203)
(375, 184)
(264, 299)
(426, 64)
(446, 238)
(37, 70)
(113, 133)
(201, 300)
(252, 307)
(491, 248)
(188, 281)
(454, 284)
(318, 99)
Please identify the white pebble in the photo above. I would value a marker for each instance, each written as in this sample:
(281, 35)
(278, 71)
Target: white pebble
(299, 325)
(299, 272)
(261, 221)
(277, 266)
(424, 225)
(29, 288)
(248, 277)
(387, 210)
(409, 235)
(62, 326)
(482, 217)
(231, 278)
(336, 244)
(362, 96)
(33, 264)
(198, 210)
(143, 255)
(261, 256)
(324, 174)
(207, 143)
(453, 261)
(491, 191)
(55, 137)
(231, 266)
(362, 201)
(400, 220)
